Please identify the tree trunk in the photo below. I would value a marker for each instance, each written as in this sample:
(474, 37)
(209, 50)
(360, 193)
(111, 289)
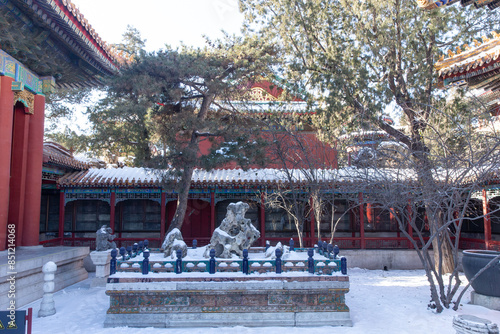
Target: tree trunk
(187, 173)
(443, 251)
(180, 211)
(443, 255)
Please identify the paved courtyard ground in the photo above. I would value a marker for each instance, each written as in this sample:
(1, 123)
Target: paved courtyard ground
(380, 302)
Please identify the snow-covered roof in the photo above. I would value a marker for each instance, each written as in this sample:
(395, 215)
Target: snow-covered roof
(58, 155)
(142, 177)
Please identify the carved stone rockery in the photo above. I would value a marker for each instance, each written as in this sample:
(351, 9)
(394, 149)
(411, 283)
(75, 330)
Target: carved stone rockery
(174, 241)
(235, 233)
(104, 239)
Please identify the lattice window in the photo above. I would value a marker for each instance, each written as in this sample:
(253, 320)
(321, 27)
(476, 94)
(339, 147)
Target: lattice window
(156, 197)
(89, 194)
(200, 196)
(252, 196)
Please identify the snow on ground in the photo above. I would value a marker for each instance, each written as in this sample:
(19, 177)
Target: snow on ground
(380, 302)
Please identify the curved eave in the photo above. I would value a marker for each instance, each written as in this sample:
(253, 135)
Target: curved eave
(52, 38)
(433, 4)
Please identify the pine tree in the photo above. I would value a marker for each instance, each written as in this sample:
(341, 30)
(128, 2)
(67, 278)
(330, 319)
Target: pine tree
(359, 56)
(187, 94)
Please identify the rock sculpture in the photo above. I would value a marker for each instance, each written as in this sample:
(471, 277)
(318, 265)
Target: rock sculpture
(235, 233)
(174, 241)
(104, 239)
(271, 251)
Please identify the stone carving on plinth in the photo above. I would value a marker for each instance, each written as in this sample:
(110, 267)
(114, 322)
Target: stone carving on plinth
(101, 257)
(47, 307)
(104, 239)
(235, 233)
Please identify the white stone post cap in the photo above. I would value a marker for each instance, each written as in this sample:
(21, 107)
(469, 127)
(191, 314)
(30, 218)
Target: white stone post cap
(49, 267)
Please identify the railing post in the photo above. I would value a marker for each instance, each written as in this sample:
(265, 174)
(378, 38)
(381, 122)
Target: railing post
(336, 251)
(145, 262)
(278, 260)
(343, 265)
(244, 268)
(122, 253)
(135, 247)
(178, 262)
(212, 262)
(329, 250)
(112, 263)
(310, 261)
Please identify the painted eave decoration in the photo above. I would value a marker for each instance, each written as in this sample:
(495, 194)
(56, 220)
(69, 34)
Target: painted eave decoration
(53, 38)
(433, 4)
(476, 67)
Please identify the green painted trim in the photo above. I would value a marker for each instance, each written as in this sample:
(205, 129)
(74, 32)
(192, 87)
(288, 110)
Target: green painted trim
(14, 69)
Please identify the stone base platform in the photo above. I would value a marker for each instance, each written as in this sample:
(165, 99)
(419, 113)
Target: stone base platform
(253, 301)
(493, 303)
(28, 271)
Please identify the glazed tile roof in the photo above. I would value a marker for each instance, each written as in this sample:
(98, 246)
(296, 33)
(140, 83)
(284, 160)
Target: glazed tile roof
(349, 179)
(477, 67)
(142, 177)
(433, 4)
(53, 38)
(57, 155)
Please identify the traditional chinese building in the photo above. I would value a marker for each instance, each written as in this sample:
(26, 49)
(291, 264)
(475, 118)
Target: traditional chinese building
(433, 4)
(137, 205)
(43, 44)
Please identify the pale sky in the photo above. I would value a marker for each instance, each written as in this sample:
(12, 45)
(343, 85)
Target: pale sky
(162, 21)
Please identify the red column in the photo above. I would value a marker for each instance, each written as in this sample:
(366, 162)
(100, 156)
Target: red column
(311, 221)
(262, 221)
(392, 219)
(33, 192)
(6, 117)
(18, 168)
(62, 208)
(410, 229)
(487, 221)
(112, 211)
(370, 217)
(163, 211)
(361, 221)
(212, 211)
(352, 223)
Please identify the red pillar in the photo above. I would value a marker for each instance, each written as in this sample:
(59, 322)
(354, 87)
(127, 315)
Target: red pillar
(61, 216)
(6, 117)
(112, 210)
(33, 192)
(361, 221)
(370, 216)
(18, 169)
(212, 211)
(410, 229)
(262, 221)
(163, 211)
(311, 221)
(487, 221)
